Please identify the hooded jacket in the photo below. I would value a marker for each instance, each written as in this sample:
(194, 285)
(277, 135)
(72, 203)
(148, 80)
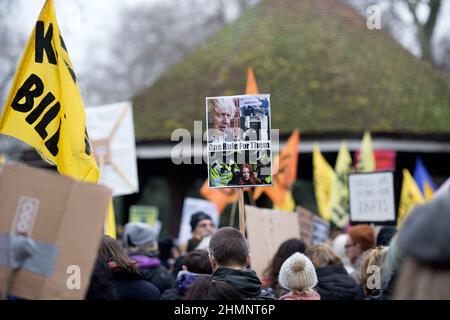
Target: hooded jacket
(184, 281)
(335, 283)
(246, 282)
(153, 271)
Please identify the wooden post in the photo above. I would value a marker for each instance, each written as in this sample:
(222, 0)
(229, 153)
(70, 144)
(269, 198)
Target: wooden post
(233, 213)
(241, 211)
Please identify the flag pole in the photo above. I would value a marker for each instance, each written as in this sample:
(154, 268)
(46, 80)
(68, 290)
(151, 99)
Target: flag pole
(241, 211)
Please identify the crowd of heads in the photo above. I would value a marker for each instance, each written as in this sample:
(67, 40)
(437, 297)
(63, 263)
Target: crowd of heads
(363, 262)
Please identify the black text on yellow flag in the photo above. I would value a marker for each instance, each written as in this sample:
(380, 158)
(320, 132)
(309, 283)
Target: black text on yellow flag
(44, 107)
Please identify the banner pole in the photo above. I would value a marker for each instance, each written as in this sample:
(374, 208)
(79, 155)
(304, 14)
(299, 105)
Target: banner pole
(241, 211)
(233, 213)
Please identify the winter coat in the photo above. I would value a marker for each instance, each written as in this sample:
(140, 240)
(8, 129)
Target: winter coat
(130, 285)
(246, 282)
(153, 271)
(334, 283)
(184, 280)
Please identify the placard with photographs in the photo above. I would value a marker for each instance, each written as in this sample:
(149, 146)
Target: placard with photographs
(239, 142)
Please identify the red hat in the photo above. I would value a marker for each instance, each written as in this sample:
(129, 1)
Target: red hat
(364, 235)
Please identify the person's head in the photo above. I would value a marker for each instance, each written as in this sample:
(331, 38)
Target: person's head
(139, 236)
(297, 273)
(228, 248)
(207, 288)
(424, 239)
(202, 225)
(385, 235)
(220, 112)
(101, 285)
(321, 255)
(372, 265)
(360, 239)
(197, 261)
(247, 175)
(114, 255)
(339, 243)
(285, 250)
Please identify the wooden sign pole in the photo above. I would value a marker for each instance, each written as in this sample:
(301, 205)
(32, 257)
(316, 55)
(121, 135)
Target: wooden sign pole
(241, 211)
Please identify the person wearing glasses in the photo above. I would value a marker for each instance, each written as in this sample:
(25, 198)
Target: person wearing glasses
(360, 239)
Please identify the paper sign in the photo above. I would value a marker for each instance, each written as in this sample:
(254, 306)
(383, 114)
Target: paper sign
(111, 131)
(191, 206)
(371, 197)
(321, 231)
(64, 218)
(239, 142)
(145, 214)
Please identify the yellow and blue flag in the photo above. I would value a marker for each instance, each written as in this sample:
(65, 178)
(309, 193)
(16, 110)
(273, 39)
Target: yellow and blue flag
(423, 179)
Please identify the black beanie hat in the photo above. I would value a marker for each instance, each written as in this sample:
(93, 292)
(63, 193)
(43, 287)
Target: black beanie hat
(197, 217)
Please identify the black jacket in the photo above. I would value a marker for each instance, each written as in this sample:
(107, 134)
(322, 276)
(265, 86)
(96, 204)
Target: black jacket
(153, 271)
(132, 286)
(246, 282)
(334, 283)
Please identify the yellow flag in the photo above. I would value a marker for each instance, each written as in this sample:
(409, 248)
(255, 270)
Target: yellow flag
(410, 197)
(44, 107)
(110, 222)
(324, 177)
(288, 203)
(339, 196)
(366, 161)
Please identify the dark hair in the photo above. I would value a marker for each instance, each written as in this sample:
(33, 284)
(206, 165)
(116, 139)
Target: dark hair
(101, 285)
(228, 246)
(286, 249)
(207, 288)
(197, 261)
(111, 250)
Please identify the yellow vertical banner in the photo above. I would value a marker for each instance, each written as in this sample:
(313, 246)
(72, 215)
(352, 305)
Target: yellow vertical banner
(324, 177)
(366, 161)
(110, 222)
(409, 198)
(339, 197)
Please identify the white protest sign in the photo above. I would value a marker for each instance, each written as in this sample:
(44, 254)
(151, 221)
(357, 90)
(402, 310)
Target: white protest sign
(321, 231)
(191, 206)
(111, 132)
(371, 197)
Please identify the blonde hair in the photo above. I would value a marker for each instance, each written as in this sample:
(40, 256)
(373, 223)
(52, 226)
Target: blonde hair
(322, 255)
(372, 257)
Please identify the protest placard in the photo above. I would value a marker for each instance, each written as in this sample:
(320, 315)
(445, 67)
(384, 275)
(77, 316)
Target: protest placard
(111, 131)
(239, 143)
(191, 206)
(63, 218)
(145, 214)
(266, 231)
(371, 197)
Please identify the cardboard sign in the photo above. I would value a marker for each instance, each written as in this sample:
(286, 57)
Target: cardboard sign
(371, 197)
(313, 230)
(239, 142)
(64, 218)
(111, 131)
(191, 206)
(266, 231)
(145, 214)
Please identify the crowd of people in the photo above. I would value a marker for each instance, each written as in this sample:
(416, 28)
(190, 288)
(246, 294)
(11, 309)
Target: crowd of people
(362, 263)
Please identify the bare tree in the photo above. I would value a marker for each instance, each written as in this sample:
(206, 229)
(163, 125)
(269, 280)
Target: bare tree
(149, 39)
(424, 28)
